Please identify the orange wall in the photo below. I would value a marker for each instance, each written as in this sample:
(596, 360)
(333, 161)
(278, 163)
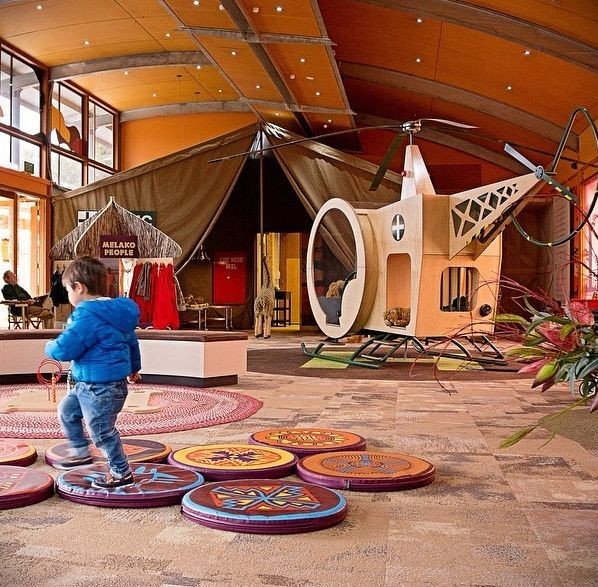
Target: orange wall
(148, 139)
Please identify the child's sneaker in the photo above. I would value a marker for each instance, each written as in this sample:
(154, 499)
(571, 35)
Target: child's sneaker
(72, 462)
(109, 481)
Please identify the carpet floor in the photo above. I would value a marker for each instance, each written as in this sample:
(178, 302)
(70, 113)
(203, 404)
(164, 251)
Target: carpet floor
(525, 516)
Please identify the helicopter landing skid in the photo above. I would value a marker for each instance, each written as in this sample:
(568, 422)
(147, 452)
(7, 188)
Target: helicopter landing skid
(367, 354)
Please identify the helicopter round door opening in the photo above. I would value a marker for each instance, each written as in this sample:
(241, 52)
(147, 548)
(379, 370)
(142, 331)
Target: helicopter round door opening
(337, 275)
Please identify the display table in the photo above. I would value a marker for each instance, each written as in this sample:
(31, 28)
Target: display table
(216, 314)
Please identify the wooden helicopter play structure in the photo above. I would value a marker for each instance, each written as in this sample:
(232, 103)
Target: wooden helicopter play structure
(421, 272)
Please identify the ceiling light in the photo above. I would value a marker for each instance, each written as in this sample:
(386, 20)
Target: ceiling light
(257, 86)
(325, 126)
(292, 76)
(233, 53)
(126, 72)
(419, 21)
(86, 43)
(220, 91)
(168, 35)
(527, 52)
(198, 67)
(39, 6)
(256, 9)
(302, 59)
(509, 88)
(329, 120)
(279, 8)
(276, 114)
(418, 60)
(154, 95)
(317, 93)
(220, 7)
(309, 77)
(195, 2)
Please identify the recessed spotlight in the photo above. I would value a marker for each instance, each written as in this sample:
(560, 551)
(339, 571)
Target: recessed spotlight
(310, 77)
(257, 86)
(256, 9)
(292, 76)
(86, 43)
(325, 126)
(126, 72)
(198, 67)
(220, 91)
(527, 52)
(418, 60)
(195, 2)
(168, 35)
(419, 20)
(233, 53)
(329, 120)
(509, 88)
(220, 7)
(317, 93)
(154, 95)
(39, 6)
(279, 8)
(302, 59)
(276, 114)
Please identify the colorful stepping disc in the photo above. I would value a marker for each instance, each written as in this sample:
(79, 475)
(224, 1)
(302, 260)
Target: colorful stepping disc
(137, 450)
(366, 470)
(264, 506)
(308, 441)
(20, 486)
(155, 485)
(235, 461)
(16, 452)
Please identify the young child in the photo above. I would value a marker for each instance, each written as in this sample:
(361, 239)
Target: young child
(100, 342)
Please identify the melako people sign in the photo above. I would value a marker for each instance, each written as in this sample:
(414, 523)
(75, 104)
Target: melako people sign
(118, 246)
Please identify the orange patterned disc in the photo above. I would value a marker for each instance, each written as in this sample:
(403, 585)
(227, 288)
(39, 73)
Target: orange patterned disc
(366, 470)
(235, 461)
(306, 441)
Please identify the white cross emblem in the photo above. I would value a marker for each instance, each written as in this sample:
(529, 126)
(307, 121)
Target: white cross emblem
(398, 227)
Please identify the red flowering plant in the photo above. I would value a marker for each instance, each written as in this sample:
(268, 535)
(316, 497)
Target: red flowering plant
(558, 345)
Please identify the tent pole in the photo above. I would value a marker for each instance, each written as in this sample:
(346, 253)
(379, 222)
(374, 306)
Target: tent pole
(262, 239)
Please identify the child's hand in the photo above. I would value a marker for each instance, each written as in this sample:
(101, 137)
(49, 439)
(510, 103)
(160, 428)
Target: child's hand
(134, 377)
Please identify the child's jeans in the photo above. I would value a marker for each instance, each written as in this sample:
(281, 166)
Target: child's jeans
(99, 404)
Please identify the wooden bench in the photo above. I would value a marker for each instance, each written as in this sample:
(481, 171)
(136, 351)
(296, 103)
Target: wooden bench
(179, 357)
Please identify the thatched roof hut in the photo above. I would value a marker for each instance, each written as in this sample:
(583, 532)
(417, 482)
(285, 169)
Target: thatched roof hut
(114, 220)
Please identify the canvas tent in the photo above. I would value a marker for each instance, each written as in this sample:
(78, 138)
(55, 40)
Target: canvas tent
(188, 192)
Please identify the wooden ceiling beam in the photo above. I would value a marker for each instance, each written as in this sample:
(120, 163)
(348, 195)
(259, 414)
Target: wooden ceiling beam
(186, 108)
(505, 26)
(428, 87)
(263, 38)
(73, 70)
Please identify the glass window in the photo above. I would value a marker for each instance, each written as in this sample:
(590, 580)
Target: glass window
(19, 94)
(66, 172)
(458, 289)
(100, 143)
(67, 119)
(19, 154)
(95, 174)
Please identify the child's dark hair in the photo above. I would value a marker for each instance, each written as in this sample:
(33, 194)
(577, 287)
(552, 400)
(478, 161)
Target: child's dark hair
(89, 271)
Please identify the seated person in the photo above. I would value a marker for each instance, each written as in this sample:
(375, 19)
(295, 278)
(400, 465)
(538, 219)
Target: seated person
(36, 308)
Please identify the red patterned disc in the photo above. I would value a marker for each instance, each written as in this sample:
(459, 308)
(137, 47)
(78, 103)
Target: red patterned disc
(366, 470)
(20, 486)
(264, 506)
(155, 485)
(307, 441)
(16, 452)
(235, 461)
(138, 450)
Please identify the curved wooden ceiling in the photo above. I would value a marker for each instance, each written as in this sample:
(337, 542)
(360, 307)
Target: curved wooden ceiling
(514, 69)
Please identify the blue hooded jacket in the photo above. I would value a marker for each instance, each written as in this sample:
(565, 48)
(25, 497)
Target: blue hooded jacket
(100, 340)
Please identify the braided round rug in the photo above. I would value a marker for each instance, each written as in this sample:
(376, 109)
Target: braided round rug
(181, 408)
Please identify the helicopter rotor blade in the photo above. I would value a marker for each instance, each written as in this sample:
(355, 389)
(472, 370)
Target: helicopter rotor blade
(448, 122)
(541, 173)
(390, 153)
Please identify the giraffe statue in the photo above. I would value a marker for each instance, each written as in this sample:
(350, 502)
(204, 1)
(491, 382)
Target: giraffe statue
(263, 306)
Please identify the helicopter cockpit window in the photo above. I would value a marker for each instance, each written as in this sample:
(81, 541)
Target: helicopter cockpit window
(458, 289)
(334, 261)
